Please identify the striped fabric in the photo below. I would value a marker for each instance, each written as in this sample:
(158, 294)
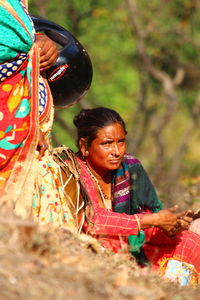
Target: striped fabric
(134, 195)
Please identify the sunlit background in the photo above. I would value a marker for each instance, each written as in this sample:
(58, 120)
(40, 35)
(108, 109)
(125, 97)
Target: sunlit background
(146, 65)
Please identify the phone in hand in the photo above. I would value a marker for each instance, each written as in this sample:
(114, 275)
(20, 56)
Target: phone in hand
(196, 214)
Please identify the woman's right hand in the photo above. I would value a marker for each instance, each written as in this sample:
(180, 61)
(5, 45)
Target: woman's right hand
(48, 51)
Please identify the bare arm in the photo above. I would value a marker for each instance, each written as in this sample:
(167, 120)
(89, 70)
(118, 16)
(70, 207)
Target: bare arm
(169, 220)
(48, 51)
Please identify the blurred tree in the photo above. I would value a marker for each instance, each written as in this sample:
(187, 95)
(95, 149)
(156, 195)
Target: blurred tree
(165, 49)
(146, 66)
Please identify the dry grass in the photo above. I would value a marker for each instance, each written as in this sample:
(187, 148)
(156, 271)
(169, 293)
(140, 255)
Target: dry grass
(41, 263)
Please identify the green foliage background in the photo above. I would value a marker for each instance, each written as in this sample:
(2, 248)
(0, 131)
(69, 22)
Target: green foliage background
(137, 49)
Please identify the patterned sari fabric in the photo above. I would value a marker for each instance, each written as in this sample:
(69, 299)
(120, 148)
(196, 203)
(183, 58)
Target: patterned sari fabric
(117, 229)
(50, 203)
(18, 98)
(30, 185)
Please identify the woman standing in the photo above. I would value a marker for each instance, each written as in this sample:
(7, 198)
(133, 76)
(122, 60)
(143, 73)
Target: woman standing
(124, 208)
(28, 174)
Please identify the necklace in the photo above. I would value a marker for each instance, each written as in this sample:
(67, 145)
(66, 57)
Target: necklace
(107, 201)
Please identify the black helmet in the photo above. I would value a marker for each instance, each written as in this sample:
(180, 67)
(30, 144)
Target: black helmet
(71, 76)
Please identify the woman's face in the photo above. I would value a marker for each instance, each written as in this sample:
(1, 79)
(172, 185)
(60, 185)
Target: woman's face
(106, 151)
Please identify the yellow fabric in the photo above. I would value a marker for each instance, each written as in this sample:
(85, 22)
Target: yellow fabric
(33, 187)
(49, 203)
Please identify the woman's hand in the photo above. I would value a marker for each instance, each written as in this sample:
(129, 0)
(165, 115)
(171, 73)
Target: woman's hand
(183, 223)
(169, 220)
(42, 145)
(48, 51)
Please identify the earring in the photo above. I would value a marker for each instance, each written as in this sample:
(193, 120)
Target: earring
(86, 153)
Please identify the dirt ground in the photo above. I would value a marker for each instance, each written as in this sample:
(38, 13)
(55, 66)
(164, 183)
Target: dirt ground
(42, 263)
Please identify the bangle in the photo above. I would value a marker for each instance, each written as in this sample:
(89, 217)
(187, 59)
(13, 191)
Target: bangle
(138, 222)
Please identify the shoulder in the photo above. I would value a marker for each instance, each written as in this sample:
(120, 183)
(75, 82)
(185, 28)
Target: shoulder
(130, 159)
(133, 164)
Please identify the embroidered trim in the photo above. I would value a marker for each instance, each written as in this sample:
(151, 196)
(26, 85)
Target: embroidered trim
(163, 265)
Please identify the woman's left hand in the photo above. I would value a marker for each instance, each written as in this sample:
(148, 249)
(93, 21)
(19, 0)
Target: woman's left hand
(186, 220)
(48, 51)
(183, 223)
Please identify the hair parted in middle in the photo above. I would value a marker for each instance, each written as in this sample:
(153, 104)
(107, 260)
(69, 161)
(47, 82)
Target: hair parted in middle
(89, 121)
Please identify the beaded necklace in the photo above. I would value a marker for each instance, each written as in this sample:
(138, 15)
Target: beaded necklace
(107, 201)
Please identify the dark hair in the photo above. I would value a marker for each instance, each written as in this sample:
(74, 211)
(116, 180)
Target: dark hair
(89, 121)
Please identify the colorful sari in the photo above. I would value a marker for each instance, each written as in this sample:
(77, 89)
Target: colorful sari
(18, 99)
(117, 229)
(28, 186)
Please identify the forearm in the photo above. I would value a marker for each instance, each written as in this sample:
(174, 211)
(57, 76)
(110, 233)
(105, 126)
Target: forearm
(168, 220)
(149, 220)
(106, 222)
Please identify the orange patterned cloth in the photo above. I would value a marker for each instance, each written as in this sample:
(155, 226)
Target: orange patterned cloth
(28, 186)
(19, 118)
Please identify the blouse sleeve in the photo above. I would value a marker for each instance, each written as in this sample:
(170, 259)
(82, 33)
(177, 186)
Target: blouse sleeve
(102, 221)
(107, 222)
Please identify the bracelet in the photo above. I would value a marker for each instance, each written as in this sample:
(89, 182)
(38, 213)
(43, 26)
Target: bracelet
(138, 222)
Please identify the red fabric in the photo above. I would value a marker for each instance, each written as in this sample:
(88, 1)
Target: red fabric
(20, 132)
(105, 224)
(185, 246)
(112, 230)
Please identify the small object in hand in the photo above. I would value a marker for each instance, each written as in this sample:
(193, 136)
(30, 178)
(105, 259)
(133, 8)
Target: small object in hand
(196, 214)
(177, 225)
(44, 146)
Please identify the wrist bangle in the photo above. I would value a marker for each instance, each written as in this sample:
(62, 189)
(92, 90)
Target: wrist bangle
(138, 222)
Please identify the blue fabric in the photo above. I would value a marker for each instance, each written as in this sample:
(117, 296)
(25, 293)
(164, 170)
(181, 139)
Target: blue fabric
(178, 271)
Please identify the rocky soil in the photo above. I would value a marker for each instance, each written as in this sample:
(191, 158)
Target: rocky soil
(41, 263)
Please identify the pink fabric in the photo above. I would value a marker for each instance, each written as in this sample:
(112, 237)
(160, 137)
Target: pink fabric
(105, 224)
(195, 226)
(112, 229)
(185, 247)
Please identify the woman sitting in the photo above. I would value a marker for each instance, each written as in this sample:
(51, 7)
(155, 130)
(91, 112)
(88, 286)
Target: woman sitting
(123, 210)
